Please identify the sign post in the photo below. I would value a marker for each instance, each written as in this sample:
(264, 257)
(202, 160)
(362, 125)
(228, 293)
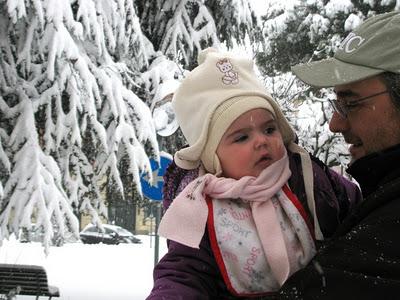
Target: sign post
(152, 189)
(157, 239)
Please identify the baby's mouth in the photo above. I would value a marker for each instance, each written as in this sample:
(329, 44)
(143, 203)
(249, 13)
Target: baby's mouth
(264, 158)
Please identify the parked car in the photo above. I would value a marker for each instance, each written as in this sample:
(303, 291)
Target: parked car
(110, 234)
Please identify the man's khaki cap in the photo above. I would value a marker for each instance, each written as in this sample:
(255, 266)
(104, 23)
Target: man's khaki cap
(372, 48)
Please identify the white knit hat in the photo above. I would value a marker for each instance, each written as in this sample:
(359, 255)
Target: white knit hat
(202, 99)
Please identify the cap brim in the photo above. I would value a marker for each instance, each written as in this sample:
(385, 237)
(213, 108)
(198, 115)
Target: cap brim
(331, 72)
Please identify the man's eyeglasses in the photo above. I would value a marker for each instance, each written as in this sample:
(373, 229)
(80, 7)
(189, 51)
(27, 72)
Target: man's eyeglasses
(344, 107)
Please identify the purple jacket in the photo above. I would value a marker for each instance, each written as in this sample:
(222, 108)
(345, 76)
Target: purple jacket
(188, 273)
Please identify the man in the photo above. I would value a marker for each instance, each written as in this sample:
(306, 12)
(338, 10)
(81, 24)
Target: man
(362, 260)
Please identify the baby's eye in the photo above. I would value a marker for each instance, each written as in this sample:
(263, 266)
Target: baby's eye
(270, 129)
(240, 138)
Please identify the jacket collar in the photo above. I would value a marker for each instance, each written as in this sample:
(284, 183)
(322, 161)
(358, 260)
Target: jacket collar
(376, 169)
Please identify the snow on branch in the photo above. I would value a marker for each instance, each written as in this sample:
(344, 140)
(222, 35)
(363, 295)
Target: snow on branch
(34, 187)
(186, 30)
(69, 117)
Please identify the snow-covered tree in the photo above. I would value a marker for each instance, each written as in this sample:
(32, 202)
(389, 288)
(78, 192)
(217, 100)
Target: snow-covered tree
(77, 79)
(181, 28)
(70, 115)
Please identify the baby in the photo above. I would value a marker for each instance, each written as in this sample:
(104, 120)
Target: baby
(259, 233)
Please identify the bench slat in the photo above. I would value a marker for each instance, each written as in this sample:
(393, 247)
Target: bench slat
(30, 280)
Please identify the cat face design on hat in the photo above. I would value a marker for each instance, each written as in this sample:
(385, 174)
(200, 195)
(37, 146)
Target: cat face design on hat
(230, 76)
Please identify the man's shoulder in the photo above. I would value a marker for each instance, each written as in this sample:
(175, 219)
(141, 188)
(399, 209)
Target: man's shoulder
(381, 204)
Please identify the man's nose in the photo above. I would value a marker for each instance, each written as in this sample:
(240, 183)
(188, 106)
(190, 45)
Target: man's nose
(338, 123)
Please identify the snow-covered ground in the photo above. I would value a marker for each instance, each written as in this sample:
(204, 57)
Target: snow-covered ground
(91, 272)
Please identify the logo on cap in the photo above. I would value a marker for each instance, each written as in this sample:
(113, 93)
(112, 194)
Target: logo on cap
(351, 42)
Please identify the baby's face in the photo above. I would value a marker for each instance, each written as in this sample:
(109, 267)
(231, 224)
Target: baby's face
(252, 143)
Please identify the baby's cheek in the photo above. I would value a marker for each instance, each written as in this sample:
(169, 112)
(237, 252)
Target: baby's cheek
(279, 147)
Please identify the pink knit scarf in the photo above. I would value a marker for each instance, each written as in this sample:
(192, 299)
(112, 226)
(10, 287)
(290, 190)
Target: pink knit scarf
(186, 218)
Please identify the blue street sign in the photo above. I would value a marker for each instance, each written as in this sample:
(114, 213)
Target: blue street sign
(153, 190)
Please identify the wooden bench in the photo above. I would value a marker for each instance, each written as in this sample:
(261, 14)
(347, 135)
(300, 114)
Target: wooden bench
(25, 280)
